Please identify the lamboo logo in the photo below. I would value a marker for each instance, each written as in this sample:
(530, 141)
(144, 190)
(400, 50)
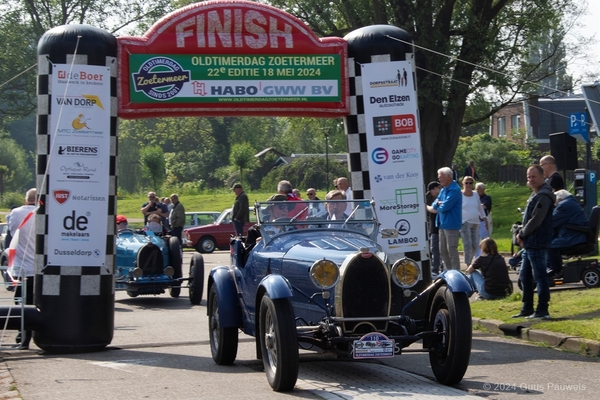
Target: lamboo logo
(379, 155)
(160, 78)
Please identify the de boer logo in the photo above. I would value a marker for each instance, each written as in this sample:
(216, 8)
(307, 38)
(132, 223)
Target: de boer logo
(61, 195)
(160, 78)
(379, 155)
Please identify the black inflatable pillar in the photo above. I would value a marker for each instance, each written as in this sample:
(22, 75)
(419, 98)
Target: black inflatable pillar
(369, 45)
(77, 146)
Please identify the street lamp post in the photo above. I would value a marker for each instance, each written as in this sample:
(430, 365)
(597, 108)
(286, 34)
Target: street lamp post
(327, 158)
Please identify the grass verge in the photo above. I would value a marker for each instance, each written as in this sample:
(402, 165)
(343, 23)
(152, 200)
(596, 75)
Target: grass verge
(573, 312)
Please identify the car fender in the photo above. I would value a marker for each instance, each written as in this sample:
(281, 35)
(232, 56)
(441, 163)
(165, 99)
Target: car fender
(230, 315)
(276, 286)
(457, 282)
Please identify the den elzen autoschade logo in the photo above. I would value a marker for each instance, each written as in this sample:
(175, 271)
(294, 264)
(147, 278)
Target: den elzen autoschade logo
(393, 124)
(160, 78)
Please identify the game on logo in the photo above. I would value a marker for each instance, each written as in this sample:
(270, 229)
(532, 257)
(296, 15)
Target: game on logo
(379, 155)
(61, 195)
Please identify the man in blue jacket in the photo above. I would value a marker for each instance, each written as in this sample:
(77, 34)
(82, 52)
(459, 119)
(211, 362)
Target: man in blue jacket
(535, 238)
(567, 212)
(448, 206)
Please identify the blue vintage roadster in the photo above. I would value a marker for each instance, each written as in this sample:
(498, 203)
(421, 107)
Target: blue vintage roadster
(148, 264)
(314, 283)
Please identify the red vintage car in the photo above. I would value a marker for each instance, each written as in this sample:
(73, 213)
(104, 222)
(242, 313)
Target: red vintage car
(207, 238)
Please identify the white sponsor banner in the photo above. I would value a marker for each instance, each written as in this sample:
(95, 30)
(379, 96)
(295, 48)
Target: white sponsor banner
(78, 165)
(394, 145)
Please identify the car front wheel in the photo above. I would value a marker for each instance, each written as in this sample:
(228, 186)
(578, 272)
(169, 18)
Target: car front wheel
(279, 343)
(175, 259)
(206, 244)
(223, 341)
(591, 278)
(196, 281)
(450, 317)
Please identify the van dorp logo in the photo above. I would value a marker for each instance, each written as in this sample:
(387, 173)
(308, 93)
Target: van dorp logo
(160, 78)
(61, 195)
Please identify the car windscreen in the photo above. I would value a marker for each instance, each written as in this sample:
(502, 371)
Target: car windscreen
(276, 217)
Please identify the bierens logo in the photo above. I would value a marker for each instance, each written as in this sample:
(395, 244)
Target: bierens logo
(61, 195)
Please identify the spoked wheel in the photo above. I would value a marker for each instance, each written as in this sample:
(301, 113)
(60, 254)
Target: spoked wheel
(175, 259)
(450, 316)
(196, 281)
(279, 343)
(223, 341)
(591, 278)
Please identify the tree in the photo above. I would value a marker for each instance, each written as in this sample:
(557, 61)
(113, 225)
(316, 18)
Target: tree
(25, 21)
(490, 154)
(461, 45)
(304, 172)
(242, 157)
(152, 159)
(13, 159)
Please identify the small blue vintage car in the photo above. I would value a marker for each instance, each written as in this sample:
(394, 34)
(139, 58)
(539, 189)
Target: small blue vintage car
(148, 264)
(310, 282)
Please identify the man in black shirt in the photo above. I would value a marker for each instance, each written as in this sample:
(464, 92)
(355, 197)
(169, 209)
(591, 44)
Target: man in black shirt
(553, 177)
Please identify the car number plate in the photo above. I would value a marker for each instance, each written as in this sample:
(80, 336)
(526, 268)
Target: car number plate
(373, 345)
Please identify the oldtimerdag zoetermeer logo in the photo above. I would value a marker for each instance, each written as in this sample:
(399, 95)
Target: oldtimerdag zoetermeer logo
(160, 78)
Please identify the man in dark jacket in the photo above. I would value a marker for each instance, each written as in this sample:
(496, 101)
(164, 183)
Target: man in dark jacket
(471, 171)
(567, 212)
(535, 238)
(240, 211)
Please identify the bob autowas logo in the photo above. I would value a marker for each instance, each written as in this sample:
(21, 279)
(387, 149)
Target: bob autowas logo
(232, 58)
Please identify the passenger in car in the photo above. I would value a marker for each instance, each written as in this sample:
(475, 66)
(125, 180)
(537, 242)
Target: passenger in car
(154, 224)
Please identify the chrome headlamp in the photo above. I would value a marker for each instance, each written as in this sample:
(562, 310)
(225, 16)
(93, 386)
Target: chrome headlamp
(406, 273)
(324, 273)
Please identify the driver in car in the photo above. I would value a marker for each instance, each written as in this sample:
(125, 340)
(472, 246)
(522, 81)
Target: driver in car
(273, 213)
(121, 222)
(334, 211)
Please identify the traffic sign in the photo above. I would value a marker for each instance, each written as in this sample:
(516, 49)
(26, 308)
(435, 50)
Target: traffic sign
(578, 126)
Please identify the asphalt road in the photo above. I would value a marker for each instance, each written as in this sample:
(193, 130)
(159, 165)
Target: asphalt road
(160, 350)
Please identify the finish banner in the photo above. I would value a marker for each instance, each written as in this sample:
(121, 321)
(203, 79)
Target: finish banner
(395, 161)
(232, 58)
(78, 166)
(222, 79)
